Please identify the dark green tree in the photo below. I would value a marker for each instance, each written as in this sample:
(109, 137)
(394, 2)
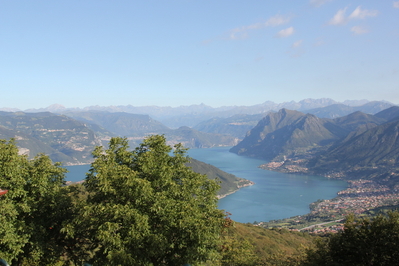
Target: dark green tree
(362, 242)
(33, 210)
(146, 207)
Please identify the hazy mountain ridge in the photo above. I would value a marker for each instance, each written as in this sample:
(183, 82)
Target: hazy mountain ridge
(236, 125)
(339, 110)
(389, 114)
(137, 126)
(285, 133)
(175, 117)
(62, 138)
(121, 123)
(191, 138)
(71, 140)
(358, 120)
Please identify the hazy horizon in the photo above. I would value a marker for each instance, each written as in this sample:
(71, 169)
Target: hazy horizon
(60, 106)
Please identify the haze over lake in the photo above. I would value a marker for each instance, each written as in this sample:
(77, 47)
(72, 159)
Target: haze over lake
(274, 195)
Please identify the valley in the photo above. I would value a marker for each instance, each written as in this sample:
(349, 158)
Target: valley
(356, 143)
(359, 148)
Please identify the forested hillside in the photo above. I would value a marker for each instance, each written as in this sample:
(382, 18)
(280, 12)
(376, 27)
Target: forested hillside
(228, 183)
(371, 153)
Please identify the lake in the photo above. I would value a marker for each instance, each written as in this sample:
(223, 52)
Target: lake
(274, 195)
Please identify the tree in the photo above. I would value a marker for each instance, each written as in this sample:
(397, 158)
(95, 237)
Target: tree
(146, 207)
(362, 242)
(33, 210)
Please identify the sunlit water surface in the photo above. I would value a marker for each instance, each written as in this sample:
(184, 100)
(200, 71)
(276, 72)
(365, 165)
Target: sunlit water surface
(274, 195)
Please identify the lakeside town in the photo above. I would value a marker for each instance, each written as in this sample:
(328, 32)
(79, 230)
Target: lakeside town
(361, 198)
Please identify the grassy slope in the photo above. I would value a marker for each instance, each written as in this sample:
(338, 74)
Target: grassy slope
(273, 241)
(271, 246)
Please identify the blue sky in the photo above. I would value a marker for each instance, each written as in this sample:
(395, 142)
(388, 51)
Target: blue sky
(183, 52)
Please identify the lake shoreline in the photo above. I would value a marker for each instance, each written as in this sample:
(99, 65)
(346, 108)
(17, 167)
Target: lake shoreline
(267, 196)
(250, 183)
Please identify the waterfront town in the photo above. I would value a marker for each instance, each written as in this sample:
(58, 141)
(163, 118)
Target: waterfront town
(327, 216)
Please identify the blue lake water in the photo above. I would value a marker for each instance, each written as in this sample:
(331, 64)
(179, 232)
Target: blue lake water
(274, 195)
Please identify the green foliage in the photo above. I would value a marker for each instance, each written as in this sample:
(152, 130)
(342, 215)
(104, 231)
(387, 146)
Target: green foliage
(235, 251)
(141, 207)
(147, 207)
(362, 242)
(33, 210)
(375, 150)
(247, 245)
(228, 183)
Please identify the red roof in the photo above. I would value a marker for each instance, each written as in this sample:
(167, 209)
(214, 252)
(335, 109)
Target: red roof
(2, 192)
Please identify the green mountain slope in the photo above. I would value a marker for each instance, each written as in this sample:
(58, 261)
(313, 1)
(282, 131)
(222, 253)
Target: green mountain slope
(229, 183)
(372, 152)
(269, 246)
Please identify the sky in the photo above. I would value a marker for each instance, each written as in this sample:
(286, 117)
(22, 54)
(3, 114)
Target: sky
(183, 52)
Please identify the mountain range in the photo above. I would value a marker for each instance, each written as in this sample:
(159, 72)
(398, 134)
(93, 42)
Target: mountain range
(72, 137)
(175, 117)
(369, 152)
(286, 133)
(310, 137)
(357, 145)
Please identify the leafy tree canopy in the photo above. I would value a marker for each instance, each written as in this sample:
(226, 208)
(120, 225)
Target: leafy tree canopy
(146, 207)
(33, 210)
(362, 242)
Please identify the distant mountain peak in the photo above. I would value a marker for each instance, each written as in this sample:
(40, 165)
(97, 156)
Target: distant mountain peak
(355, 102)
(6, 109)
(56, 106)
